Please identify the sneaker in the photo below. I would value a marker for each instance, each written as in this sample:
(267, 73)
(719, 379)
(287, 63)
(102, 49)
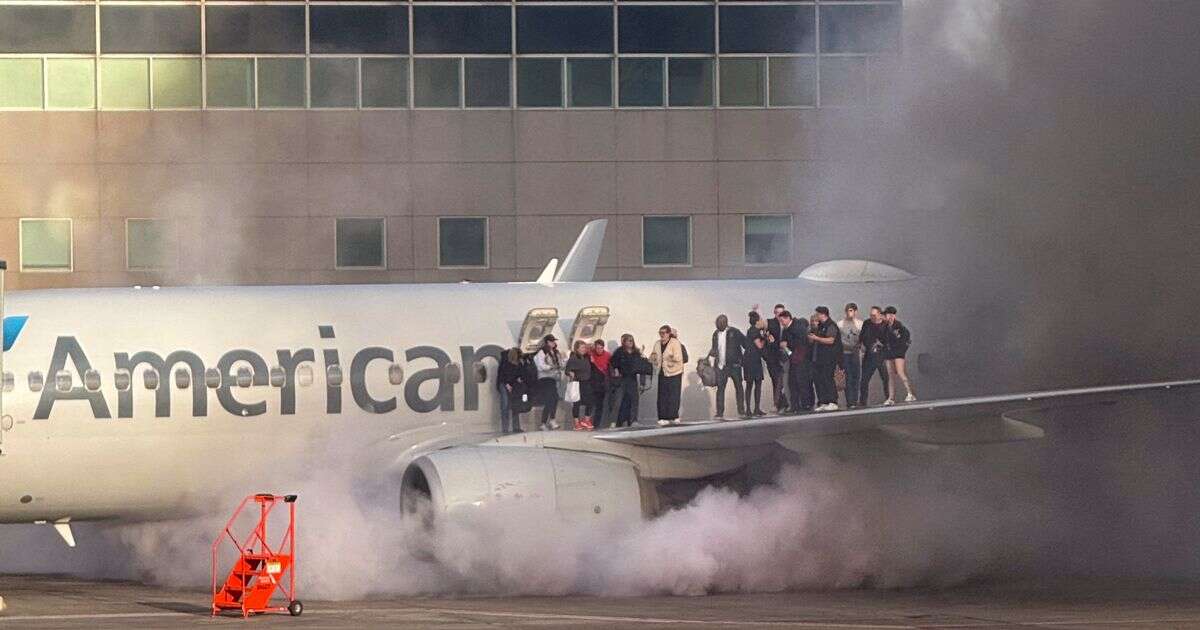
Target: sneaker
(543, 427)
(829, 407)
(910, 398)
(578, 425)
(676, 422)
(554, 425)
(588, 425)
(759, 413)
(719, 416)
(664, 423)
(889, 402)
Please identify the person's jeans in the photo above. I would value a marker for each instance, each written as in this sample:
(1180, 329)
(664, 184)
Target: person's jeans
(724, 375)
(872, 362)
(507, 418)
(852, 364)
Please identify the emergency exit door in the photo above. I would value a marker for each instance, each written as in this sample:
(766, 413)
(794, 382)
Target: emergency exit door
(538, 323)
(589, 324)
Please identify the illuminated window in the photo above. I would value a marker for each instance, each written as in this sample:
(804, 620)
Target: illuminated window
(46, 245)
(70, 83)
(281, 82)
(230, 82)
(21, 83)
(176, 83)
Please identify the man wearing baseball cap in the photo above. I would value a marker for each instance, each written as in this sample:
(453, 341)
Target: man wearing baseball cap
(827, 351)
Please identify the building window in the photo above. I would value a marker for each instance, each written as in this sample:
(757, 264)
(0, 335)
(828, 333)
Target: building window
(589, 82)
(20, 83)
(176, 83)
(860, 28)
(146, 244)
(462, 29)
(641, 82)
(665, 29)
(361, 243)
(435, 82)
(384, 82)
(373, 29)
(125, 83)
(70, 83)
(743, 82)
(768, 239)
(753, 28)
(149, 29)
(46, 245)
(281, 82)
(487, 82)
(793, 81)
(63, 28)
(463, 242)
(277, 29)
(230, 83)
(690, 82)
(334, 82)
(564, 29)
(539, 82)
(667, 240)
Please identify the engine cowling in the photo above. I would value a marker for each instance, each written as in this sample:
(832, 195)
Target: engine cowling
(575, 486)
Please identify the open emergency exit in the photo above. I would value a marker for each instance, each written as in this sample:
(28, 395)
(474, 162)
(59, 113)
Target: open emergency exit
(589, 324)
(538, 323)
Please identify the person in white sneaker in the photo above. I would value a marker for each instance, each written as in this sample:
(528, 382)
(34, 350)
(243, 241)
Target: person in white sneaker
(826, 342)
(549, 370)
(668, 358)
(898, 341)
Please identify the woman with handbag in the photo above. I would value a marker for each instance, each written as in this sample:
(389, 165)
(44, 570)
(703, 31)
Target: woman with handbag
(579, 386)
(549, 369)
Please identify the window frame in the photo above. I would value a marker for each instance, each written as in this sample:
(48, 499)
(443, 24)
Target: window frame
(164, 222)
(690, 241)
(383, 244)
(487, 242)
(70, 244)
(791, 236)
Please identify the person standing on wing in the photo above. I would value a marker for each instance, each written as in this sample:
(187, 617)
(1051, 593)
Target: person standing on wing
(728, 344)
(898, 341)
(826, 342)
(873, 338)
(668, 360)
(549, 370)
(851, 329)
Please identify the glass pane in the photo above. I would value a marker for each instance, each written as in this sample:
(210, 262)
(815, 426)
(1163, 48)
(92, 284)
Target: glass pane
(793, 81)
(48, 29)
(150, 29)
(743, 82)
(360, 243)
(230, 82)
(385, 82)
(254, 29)
(281, 82)
(590, 82)
(70, 84)
(539, 82)
(641, 82)
(46, 244)
(176, 83)
(334, 82)
(860, 28)
(666, 240)
(435, 82)
(462, 242)
(691, 82)
(125, 83)
(768, 239)
(768, 28)
(487, 83)
(665, 29)
(843, 81)
(359, 29)
(471, 29)
(556, 29)
(21, 83)
(146, 243)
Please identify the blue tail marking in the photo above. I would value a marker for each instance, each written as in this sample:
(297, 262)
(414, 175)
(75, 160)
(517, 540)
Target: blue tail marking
(12, 328)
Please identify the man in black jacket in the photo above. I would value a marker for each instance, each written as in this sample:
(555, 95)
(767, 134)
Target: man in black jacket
(728, 343)
(874, 342)
(826, 342)
(774, 359)
(623, 382)
(794, 345)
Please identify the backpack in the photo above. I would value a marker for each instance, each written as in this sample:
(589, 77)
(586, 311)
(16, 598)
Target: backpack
(685, 354)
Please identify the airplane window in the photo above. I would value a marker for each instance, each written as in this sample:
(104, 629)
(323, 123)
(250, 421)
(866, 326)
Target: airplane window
(62, 381)
(245, 378)
(150, 379)
(452, 373)
(395, 374)
(91, 380)
(122, 380)
(212, 378)
(277, 376)
(480, 371)
(304, 375)
(333, 375)
(183, 378)
(35, 381)
(9, 381)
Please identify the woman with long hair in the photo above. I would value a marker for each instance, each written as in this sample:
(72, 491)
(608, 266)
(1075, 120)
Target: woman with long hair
(668, 361)
(623, 374)
(581, 373)
(549, 369)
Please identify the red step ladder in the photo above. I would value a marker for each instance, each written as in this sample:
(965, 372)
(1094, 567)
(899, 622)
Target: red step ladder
(259, 570)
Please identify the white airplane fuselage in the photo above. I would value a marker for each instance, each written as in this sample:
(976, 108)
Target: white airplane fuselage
(142, 453)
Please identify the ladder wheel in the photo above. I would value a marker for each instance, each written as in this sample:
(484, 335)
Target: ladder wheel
(295, 608)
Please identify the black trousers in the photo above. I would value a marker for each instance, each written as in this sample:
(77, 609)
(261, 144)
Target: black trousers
(724, 375)
(823, 379)
(669, 390)
(622, 390)
(754, 393)
(778, 381)
(872, 362)
(800, 384)
(548, 398)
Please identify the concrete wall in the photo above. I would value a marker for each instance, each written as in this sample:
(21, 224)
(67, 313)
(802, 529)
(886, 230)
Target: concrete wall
(252, 195)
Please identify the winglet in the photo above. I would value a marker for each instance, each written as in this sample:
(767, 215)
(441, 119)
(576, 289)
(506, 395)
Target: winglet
(580, 263)
(547, 275)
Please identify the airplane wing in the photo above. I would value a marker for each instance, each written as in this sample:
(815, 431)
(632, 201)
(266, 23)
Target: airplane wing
(979, 420)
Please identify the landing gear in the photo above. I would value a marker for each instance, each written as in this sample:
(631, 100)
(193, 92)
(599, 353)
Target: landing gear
(295, 608)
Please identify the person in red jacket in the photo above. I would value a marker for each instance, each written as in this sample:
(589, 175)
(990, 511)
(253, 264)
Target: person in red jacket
(601, 358)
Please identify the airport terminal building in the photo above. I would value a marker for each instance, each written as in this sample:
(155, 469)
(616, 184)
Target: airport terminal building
(214, 142)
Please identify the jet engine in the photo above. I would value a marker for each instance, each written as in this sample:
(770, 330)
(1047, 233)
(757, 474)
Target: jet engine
(575, 486)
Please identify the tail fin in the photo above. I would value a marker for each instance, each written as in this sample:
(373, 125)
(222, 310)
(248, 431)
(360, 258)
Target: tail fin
(580, 263)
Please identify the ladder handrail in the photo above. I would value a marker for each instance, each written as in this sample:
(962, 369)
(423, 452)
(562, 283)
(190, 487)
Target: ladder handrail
(245, 547)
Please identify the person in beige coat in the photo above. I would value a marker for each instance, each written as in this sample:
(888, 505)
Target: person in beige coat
(668, 358)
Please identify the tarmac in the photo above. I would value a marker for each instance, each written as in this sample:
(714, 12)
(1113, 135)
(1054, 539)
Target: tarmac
(40, 601)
